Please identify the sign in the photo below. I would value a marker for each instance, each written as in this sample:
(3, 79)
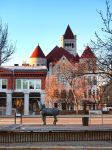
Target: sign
(95, 112)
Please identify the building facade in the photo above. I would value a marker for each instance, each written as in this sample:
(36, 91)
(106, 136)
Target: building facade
(22, 86)
(67, 54)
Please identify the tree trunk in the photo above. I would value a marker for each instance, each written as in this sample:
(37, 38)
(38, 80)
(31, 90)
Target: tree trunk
(77, 109)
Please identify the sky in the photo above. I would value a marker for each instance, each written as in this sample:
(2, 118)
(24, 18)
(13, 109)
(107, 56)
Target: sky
(44, 21)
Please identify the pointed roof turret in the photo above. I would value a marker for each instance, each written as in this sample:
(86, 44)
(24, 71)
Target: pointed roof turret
(37, 53)
(88, 53)
(68, 33)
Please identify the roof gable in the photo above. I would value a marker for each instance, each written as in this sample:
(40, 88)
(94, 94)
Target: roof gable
(68, 33)
(62, 61)
(37, 53)
(88, 53)
(56, 54)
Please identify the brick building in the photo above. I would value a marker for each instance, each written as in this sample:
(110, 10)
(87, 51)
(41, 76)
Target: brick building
(22, 86)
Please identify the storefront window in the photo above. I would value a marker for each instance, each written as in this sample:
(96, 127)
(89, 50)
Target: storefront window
(18, 102)
(33, 103)
(2, 100)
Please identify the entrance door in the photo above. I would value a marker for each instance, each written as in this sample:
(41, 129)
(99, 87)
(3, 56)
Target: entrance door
(18, 102)
(33, 103)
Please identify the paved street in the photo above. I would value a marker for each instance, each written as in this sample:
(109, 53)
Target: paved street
(65, 120)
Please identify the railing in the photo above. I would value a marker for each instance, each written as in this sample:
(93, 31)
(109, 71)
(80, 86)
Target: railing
(54, 136)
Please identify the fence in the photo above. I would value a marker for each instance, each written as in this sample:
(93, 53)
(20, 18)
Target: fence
(22, 137)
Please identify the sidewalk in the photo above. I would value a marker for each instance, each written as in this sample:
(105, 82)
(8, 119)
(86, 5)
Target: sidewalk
(80, 145)
(46, 128)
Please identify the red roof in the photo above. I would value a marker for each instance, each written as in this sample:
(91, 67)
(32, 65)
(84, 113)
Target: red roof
(37, 53)
(68, 33)
(88, 53)
(57, 53)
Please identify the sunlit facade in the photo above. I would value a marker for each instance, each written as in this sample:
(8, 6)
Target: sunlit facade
(21, 87)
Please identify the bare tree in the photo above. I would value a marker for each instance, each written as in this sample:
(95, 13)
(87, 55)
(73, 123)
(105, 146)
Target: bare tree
(6, 47)
(104, 91)
(103, 44)
(52, 90)
(67, 98)
(74, 75)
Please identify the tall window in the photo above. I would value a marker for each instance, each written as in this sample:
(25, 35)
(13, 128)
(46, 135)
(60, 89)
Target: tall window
(93, 93)
(37, 85)
(89, 80)
(4, 83)
(25, 84)
(31, 84)
(63, 80)
(89, 93)
(28, 84)
(18, 84)
(94, 81)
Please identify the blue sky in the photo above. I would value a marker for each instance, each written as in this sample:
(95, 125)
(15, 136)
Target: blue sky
(44, 21)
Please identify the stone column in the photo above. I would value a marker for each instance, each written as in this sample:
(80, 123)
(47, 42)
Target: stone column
(26, 103)
(43, 96)
(9, 104)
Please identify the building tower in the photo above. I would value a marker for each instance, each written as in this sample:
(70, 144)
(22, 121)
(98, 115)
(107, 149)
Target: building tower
(37, 58)
(89, 61)
(68, 41)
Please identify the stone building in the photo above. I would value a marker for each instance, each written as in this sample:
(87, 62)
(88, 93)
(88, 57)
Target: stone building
(67, 53)
(22, 86)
